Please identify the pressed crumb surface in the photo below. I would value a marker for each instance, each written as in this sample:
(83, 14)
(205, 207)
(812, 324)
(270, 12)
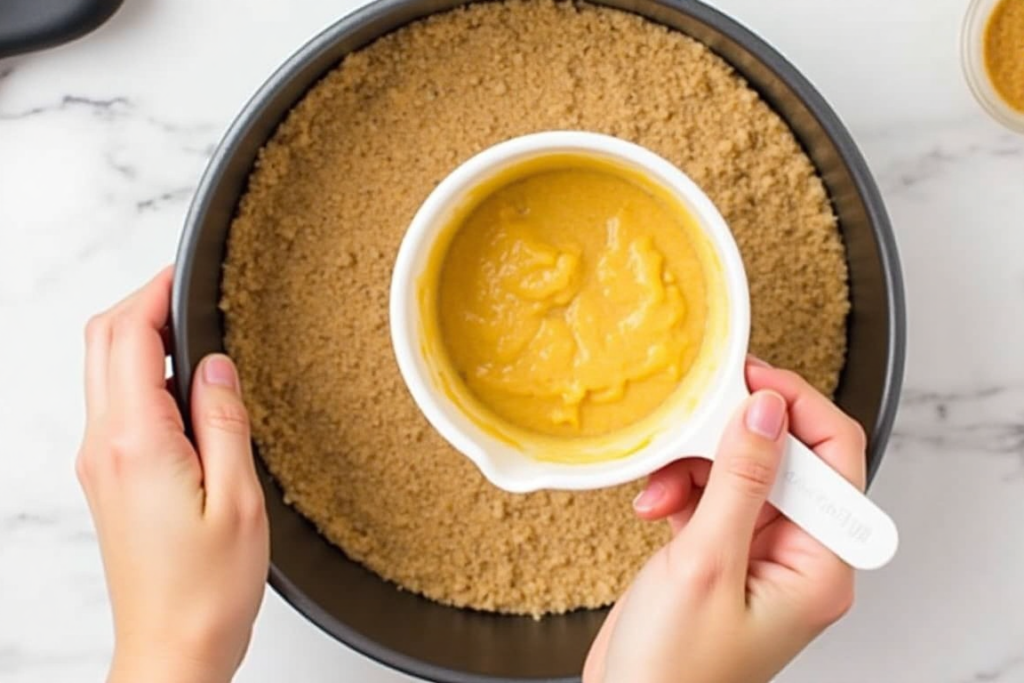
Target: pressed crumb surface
(309, 263)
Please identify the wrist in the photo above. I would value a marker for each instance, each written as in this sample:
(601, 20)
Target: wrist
(132, 667)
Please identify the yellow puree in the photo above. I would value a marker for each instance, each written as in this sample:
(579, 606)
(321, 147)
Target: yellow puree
(1004, 51)
(572, 301)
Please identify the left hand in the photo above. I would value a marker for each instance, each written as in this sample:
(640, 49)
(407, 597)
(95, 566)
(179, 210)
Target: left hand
(182, 529)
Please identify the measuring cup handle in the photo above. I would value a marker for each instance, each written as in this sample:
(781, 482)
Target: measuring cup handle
(820, 501)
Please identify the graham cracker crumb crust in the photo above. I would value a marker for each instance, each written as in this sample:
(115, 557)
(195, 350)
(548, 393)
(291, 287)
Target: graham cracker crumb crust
(305, 290)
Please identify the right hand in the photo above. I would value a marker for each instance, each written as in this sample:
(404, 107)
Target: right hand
(739, 590)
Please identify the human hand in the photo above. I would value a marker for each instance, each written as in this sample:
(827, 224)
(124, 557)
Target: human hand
(739, 590)
(183, 534)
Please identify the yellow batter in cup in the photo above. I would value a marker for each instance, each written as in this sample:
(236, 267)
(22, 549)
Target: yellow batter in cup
(572, 300)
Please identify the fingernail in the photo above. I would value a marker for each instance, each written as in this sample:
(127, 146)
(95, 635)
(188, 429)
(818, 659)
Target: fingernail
(220, 371)
(754, 360)
(765, 414)
(649, 498)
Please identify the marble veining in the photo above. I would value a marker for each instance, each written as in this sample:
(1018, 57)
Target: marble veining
(988, 420)
(103, 141)
(1012, 667)
(146, 164)
(929, 159)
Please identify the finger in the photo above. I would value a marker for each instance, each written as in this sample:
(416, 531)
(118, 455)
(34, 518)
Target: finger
(818, 580)
(221, 426)
(99, 348)
(673, 491)
(668, 490)
(97, 357)
(768, 514)
(741, 477)
(837, 438)
(787, 545)
(137, 349)
(137, 367)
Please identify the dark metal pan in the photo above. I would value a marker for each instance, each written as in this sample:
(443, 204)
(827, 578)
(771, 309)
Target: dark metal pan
(459, 646)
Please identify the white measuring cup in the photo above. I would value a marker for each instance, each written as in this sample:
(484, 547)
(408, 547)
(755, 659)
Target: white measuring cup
(807, 490)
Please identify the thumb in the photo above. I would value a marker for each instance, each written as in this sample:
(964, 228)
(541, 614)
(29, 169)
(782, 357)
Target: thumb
(741, 477)
(221, 425)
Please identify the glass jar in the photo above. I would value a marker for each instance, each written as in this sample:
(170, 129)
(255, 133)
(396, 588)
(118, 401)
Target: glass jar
(972, 58)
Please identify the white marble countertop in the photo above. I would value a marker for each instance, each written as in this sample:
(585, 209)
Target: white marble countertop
(102, 142)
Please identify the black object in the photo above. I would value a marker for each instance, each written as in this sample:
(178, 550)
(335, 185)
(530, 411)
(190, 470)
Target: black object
(460, 646)
(27, 25)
